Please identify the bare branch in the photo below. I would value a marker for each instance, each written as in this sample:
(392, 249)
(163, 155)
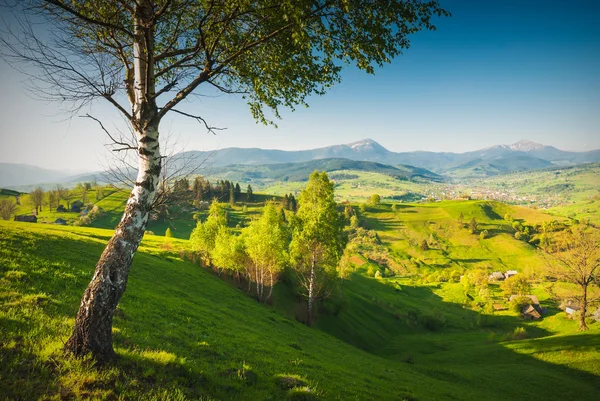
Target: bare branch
(87, 19)
(201, 120)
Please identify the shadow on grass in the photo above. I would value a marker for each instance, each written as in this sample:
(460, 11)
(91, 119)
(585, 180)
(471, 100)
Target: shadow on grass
(453, 344)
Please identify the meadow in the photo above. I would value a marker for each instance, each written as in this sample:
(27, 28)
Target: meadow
(183, 332)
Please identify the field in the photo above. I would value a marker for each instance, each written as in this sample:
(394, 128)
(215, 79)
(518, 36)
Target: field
(182, 332)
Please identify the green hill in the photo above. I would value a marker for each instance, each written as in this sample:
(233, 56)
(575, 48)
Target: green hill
(263, 175)
(183, 333)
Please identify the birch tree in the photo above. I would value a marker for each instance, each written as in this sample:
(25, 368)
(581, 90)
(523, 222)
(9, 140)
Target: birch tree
(317, 242)
(577, 261)
(145, 57)
(266, 244)
(230, 253)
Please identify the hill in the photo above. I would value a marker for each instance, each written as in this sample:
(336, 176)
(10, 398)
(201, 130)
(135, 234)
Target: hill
(299, 172)
(190, 335)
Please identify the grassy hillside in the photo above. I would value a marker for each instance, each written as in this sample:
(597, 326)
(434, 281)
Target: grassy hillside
(262, 175)
(183, 333)
(358, 186)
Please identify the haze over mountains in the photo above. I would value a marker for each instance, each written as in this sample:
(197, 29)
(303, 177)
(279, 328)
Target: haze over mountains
(521, 156)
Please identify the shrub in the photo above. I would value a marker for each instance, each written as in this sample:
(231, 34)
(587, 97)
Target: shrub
(169, 233)
(484, 234)
(82, 221)
(433, 322)
(378, 274)
(596, 315)
(372, 270)
(519, 334)
(518, 303)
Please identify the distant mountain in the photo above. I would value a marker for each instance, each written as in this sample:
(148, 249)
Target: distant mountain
(25, 177)
(12, 174)
(300, 171)
(520, 156)
(486, 168)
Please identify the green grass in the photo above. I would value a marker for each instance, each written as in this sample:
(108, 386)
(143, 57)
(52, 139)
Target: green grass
(183, 333)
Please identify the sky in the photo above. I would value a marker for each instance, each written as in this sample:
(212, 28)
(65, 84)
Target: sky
(496, 72)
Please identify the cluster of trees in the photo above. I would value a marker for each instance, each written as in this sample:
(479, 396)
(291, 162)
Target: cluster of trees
(55, 196)
(289, 202)
(309, 243)
(7, 208)
(202, 190)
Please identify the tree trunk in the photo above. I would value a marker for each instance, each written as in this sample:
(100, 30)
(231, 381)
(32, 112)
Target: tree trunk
(311, 289)
(271, 288)
(583, 313)
(93, 325)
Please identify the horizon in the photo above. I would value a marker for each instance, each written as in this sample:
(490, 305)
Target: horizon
(84, 171)
(474, 83)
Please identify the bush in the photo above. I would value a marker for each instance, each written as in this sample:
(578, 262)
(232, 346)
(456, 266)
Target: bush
(518, 303)
(82, 221)
(519, 334)
(169, 233)
(372, 270)
(596, 315)
(433, 322)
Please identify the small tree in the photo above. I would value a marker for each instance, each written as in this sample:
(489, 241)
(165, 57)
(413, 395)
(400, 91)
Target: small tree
(577, 261)
(375, 200)
(7, 208)
(461, 219)
(230, 253)
(424, 245)
(232, 195)
(168, 233)
(516, 285)
(317, 241)
(37, 197)
(473, 225)
(249, 193)
(266, 245)
(52, 200)
(203, 236)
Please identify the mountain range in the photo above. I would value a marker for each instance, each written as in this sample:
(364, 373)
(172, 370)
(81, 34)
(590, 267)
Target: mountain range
(520, 156)
(279, 164)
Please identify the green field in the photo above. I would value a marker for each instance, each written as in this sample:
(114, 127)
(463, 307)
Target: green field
(184, 333)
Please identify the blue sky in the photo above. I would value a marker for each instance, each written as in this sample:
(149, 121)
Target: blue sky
(494, 73)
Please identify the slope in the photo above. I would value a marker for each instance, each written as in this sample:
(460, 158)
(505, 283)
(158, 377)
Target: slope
(262, 175)
(182, 333)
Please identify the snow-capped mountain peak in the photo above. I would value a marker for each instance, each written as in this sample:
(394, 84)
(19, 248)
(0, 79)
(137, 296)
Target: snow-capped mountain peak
(366, 145)
(526, 146)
